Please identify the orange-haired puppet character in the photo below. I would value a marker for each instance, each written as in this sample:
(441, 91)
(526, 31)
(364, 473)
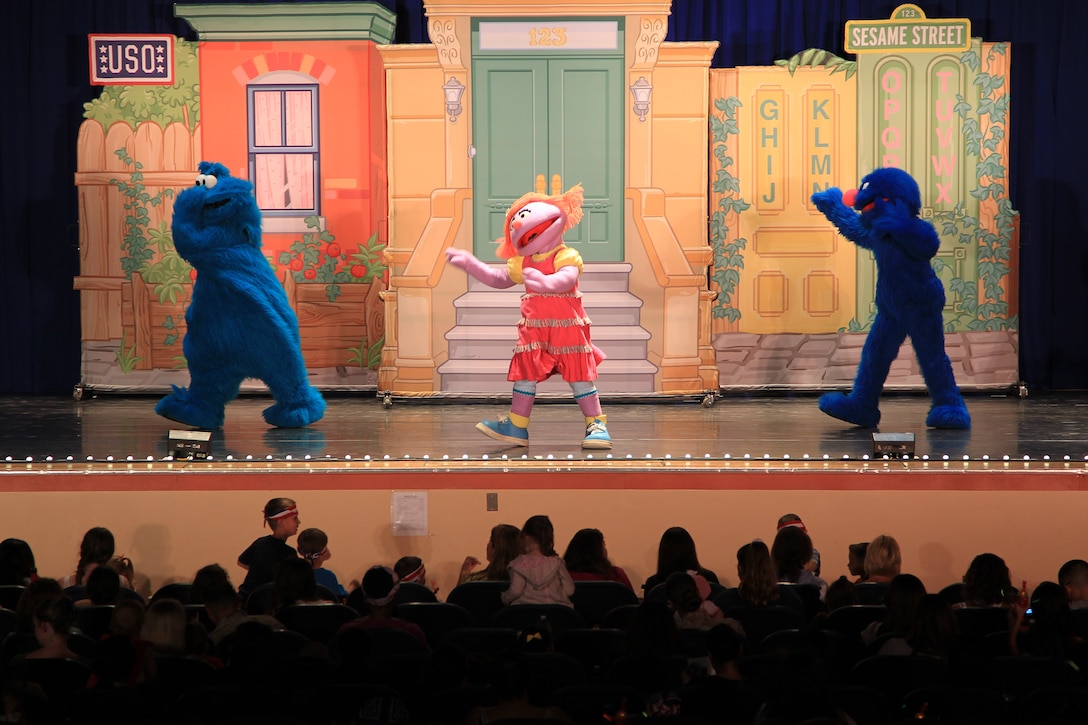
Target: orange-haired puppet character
(553, 333)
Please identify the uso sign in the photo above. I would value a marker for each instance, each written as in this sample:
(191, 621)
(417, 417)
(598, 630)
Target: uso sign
(131, 59)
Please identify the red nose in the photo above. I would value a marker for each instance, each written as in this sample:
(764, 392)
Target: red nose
(849, 197)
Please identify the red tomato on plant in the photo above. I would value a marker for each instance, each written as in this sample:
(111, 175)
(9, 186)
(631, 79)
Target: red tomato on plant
(358, 271)
(333, 250)
(310, 273)
(296, 264)
(192, 274)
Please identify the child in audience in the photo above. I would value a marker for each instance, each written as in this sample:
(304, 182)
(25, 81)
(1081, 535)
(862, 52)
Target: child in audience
(52, 622)
(96, 549)
(412, 569)
(502, 548)
(313, 546)
(260, 558)
(687, 596)
(539, 575)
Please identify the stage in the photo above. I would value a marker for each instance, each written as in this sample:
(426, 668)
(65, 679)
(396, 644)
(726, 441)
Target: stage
(1014, 484)
(429, 432)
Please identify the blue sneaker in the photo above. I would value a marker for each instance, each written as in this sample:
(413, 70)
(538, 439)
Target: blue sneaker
(597, 434)
(505, 431)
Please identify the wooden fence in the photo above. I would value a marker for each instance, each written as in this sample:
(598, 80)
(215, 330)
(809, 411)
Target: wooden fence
(128, 310)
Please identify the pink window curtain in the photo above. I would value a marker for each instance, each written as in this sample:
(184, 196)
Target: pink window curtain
(267, 119)
(285, 181)
(283, 120)
(300, 118)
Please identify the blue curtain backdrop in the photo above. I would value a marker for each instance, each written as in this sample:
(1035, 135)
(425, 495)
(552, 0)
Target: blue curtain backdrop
(46, 48)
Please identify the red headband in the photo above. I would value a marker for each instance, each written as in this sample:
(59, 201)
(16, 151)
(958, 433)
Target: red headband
(291, 510)
(787, 524)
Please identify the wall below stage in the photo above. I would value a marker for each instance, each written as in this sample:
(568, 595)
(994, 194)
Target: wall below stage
(172, 524)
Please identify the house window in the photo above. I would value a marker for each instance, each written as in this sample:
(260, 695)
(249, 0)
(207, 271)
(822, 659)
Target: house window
(283, 149)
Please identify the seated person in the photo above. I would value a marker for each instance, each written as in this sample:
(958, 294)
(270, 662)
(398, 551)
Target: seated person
(676, 552)
(224, 609)
(586, 558)
(503, 546)
(379, 587)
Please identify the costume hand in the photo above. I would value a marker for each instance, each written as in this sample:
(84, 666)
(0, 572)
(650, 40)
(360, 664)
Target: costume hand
(828, 200)
(491, 276)
(561, 281)
(891, 216)
(461, 259)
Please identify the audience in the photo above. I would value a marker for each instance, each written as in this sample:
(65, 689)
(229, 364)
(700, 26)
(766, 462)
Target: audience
(52, 623)
(1073, 577)
(792, 556)
(855, 561)
(16, 563)
(882, 560)
(260, 558)
(379, 588)
(687, 596)
(224, 610)
(793, 521)
(586, 558)
(800, 676)
(95, 550)
(758, 582)
(313, 547)
(509, 678)
(904, 593)
(503, 546)
(294, 583)
(538, 576)
(676, 552)
(986, 583)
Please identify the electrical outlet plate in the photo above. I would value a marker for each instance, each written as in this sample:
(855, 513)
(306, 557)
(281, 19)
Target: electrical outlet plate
(492, 502)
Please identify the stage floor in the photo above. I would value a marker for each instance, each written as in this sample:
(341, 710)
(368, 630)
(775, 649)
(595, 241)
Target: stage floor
(423, 432)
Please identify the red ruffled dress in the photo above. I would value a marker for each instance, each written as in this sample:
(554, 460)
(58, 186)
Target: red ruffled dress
(553, 332)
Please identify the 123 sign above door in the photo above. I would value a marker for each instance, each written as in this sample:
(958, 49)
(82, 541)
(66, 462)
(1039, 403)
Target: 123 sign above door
(131, 59)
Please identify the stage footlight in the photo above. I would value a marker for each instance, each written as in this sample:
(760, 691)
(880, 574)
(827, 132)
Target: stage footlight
(193, 444)
(893, 444)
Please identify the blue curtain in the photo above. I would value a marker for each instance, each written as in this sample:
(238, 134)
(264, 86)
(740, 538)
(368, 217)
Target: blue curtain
(46, 47)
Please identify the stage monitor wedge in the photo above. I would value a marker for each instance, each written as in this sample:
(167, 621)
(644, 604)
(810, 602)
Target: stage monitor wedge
(893, 444)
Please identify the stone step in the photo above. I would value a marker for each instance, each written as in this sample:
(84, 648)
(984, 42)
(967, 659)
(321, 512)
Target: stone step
(488, 377)
(595, 277)
(495, 342)
(503, 307)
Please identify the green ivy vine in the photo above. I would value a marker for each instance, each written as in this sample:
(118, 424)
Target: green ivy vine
(728, 256)
(994, 249)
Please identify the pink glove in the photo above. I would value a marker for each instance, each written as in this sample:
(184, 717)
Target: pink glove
(561, 281)
(492, 277)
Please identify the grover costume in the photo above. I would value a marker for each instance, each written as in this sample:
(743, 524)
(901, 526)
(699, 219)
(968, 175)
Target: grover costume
(882, 216)
(239, 322)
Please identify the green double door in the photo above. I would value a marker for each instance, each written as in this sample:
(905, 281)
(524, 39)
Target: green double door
(549, 123)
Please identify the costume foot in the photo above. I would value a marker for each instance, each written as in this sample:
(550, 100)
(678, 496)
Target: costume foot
(949, 416)
(850, 409)
(179, 406)
(597, 437)
(301, 410)
(505, 431)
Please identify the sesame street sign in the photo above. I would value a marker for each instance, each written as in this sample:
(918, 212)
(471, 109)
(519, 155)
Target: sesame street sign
(908, 30)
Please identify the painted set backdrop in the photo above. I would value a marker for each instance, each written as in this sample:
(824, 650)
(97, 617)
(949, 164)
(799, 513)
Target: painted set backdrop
(707, 266)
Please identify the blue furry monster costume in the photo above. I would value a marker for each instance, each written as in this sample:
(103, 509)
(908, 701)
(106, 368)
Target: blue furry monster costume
(882, 216)
(239, 322)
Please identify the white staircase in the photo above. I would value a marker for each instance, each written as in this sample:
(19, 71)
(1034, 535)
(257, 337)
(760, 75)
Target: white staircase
(481, 343)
